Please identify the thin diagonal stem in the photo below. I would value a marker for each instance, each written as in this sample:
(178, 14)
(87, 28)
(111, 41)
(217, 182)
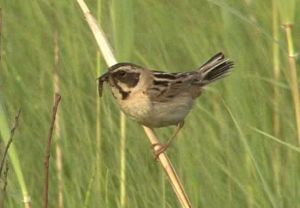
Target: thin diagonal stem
(48, 149)
(12, 133)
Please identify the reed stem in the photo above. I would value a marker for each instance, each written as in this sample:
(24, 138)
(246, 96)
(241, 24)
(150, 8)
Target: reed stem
(293, 75)
(58, 150)
(120, 16)
(98, 116)
(276, 69)
(122, 160)
(276, 98)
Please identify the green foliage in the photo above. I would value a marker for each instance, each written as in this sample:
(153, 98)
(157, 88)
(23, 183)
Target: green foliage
(227, 153)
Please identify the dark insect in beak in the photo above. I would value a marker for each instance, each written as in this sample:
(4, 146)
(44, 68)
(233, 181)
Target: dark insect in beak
(101, 80)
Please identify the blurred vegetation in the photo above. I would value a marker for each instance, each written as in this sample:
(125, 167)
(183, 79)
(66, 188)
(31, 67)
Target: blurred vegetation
(228, 154)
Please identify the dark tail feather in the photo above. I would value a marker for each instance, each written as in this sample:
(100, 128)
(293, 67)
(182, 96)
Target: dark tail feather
(215, 68)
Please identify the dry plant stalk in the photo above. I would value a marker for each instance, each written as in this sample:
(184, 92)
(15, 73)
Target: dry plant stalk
(48, 148)
(0, 35)
(122, 160)
(276, 69)
(293, 75)
(2, 164)
(276, 98)
(98, 130)
(3, 191)
(5, 175)
(111, 60)
(58, 151)
(12, 133)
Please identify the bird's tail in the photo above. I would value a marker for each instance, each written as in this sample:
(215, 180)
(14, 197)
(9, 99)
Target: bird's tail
(215, 68)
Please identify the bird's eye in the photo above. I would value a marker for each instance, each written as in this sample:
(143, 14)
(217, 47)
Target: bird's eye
(121, 73)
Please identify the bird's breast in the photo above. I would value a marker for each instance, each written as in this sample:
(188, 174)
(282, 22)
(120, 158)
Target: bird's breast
(137, 106)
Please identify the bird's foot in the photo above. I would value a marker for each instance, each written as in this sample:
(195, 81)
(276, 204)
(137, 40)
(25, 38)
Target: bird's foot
(159, 148)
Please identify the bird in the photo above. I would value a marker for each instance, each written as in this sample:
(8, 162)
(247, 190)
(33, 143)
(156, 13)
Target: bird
(159, 99)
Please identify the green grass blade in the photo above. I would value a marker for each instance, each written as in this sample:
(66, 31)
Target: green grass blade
(253, 160)
(280, 141)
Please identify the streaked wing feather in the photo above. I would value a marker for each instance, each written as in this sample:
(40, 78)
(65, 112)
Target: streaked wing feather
(160, 92)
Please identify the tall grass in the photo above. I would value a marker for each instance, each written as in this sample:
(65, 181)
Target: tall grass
(276, 98)
(99, 161)
(229, 153)
(122, 20)
(287, 15)
(58, 149)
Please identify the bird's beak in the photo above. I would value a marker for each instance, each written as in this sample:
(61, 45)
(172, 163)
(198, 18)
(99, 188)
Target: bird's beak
(101, 80)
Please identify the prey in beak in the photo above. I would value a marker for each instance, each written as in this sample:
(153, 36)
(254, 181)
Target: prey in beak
(101, 80)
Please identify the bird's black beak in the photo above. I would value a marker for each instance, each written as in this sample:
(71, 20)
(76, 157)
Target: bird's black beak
(101, 80)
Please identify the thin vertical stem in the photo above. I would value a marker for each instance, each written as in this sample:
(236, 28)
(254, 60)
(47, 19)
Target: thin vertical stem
(163, 183)
(2, 192)
(276, 98)
(57, 125)
(98, 126)
(122, 160)
(0, 36)
(276, 69)
(293, 76)
(98, 114)
(122, 46)
(58, 150)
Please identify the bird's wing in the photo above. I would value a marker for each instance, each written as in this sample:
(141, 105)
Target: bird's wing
(166, 86)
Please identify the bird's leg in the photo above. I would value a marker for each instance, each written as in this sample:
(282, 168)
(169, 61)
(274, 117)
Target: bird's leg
(164, 147)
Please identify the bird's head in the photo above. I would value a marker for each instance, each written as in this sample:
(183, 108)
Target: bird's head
(123, 79)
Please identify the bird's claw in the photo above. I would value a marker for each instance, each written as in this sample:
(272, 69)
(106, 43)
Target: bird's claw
(161, 148)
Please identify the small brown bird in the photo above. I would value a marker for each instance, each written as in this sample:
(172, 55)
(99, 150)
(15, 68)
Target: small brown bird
(157, 99)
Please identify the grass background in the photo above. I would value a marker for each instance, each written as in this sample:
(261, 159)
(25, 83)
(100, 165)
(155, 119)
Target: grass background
(227, 155)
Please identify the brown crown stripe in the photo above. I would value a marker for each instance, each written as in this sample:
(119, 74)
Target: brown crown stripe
(122, 64)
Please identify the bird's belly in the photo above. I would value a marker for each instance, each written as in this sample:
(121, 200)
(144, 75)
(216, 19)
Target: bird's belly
(166, 114)
(157, 114)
